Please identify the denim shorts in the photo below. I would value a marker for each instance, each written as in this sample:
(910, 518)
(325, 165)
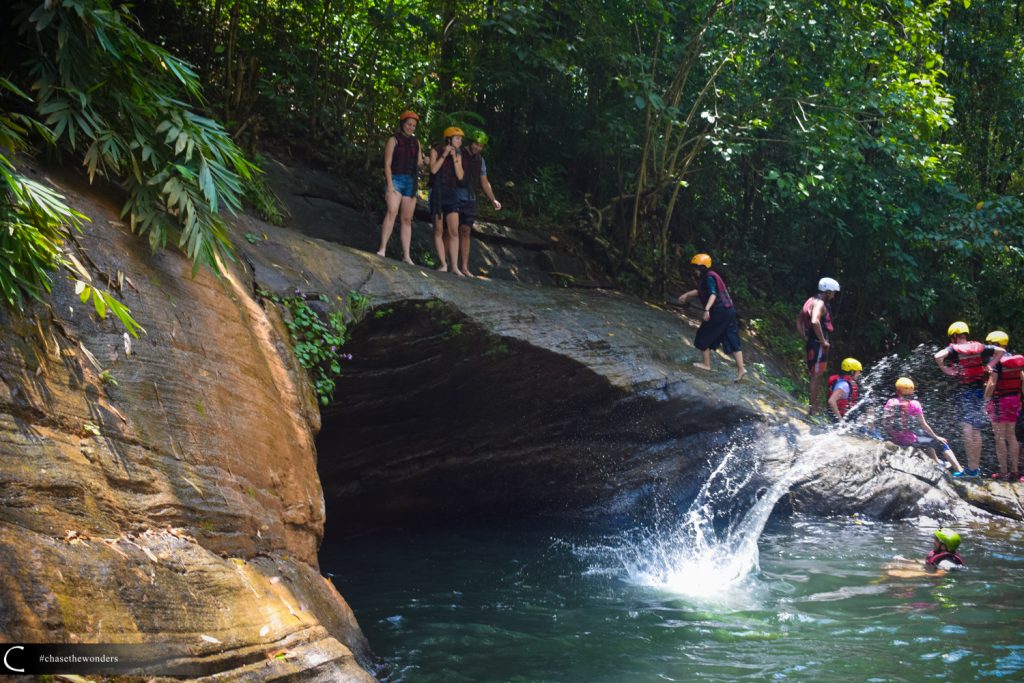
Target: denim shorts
(404, 185)
(972, 406)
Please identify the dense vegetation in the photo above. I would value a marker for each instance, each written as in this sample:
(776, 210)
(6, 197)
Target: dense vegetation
(877, 142)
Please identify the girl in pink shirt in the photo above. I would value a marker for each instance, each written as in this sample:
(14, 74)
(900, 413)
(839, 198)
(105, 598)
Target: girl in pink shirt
(903, 419)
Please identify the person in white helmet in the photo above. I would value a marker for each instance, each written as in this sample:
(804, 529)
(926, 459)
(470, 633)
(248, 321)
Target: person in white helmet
(815, 323)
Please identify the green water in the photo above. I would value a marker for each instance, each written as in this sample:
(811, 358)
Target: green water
(568, 604)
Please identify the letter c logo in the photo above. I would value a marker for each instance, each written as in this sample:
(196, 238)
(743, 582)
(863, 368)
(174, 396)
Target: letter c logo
(9, 667)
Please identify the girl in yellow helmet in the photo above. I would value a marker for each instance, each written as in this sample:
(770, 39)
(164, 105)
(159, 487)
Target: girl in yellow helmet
(903, 419)
(446, 173)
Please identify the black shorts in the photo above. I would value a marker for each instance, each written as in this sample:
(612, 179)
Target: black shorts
(720, 329)
(817, 356)
(450, 201)
(467, 212)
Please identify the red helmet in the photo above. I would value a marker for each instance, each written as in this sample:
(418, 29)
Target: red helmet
(408, 115)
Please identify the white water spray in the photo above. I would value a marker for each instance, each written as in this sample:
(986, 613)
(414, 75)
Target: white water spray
(713, 547)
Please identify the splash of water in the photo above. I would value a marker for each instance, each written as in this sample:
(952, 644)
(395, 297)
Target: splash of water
(708, 551)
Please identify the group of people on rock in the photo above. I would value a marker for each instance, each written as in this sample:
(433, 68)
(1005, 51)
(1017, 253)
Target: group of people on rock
(903, 418)
(988, 377)
(457, 169)
(988, 392)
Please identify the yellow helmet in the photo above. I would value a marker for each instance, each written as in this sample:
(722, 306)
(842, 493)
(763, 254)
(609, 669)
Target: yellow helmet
(998, 337)
(851, 365)
(452, 131)
(904, 385)
(958, 327)
(701, 260)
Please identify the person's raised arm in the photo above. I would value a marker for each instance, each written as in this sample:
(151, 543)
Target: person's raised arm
(997, 353)
(460, 173)
(940, 360)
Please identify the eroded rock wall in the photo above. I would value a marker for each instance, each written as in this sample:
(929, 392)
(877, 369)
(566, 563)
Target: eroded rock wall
(164, 489)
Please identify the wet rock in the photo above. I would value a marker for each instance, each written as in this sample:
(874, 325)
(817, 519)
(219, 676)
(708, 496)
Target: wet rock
(883, 481)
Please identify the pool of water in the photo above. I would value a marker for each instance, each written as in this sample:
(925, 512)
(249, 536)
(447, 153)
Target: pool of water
(566, 603)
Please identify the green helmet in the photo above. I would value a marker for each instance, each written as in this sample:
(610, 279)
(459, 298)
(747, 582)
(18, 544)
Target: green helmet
(948, 538)
(474, 134)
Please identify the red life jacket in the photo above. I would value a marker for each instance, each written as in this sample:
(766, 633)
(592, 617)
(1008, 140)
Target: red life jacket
(970, 365)
(844, 403)
(936, 556)
(723, 293)
(405, 155)
(803, 321)
(1008, 379)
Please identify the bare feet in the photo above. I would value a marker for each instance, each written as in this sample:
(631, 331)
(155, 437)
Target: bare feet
(443, 268)
(380, 253)
(740, 375)
(468, 274)
(458, 272)
(702, 366)
(409, 261)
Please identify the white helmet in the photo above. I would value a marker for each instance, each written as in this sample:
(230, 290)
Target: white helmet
(827, 284)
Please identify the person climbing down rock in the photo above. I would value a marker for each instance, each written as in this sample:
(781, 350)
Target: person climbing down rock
(719, 326)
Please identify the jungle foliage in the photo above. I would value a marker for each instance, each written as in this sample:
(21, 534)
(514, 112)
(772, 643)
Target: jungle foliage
(877, 142)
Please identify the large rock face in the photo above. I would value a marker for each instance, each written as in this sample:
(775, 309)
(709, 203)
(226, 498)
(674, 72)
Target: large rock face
(171, 494)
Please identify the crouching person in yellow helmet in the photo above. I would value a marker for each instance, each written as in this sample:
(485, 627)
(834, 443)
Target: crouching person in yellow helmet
(1002, 402)
(719, 326)
(843, 390)
(970, 362)
(904, 423)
